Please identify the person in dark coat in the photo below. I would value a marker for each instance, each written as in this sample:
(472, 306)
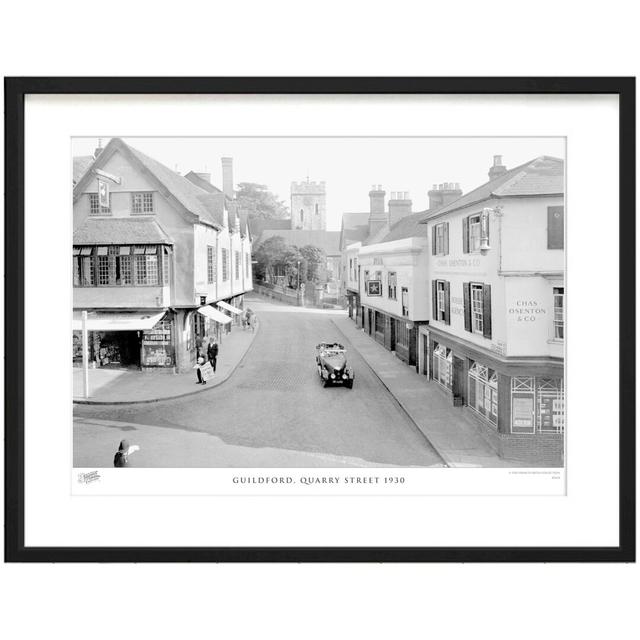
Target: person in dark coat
(121, 459)
(212, 352)
(199, 361)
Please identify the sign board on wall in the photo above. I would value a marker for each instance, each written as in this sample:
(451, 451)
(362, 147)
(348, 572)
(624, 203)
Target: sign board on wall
(374, 287)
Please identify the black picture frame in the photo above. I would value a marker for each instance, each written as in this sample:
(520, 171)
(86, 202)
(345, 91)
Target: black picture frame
(15, 91)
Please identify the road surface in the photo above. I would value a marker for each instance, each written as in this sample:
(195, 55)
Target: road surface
(272, 408)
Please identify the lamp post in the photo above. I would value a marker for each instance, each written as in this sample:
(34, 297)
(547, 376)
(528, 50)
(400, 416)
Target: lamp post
(298, 274)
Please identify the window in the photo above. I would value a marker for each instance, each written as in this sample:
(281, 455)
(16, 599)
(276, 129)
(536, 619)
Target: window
(474, 233)
(246, 265)
(379, 322)
(301, 216)
(211, 265)
(317, 211)
(237, 264)
(403, 334)
(555, 227)
(94, 206)
(83, 271)
(477, 320)
(392, 285)
(120, 265)
(443, 365)
(146, 264)
(483, 391)
(558, 313)
(477, 308)
(440, 246)
(165, 265)
(225, 264)
(441, 300)
(537, 405)
(405, 302)
(142, 202)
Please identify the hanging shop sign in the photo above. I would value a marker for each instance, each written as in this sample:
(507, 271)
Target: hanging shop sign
(374, 287)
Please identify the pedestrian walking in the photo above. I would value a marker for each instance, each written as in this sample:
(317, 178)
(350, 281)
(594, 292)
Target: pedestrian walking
(212, 352)
(252, 319)
(243, 318)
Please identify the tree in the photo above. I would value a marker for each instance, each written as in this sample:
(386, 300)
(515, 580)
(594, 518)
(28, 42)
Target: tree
(268, 255)
(259, 202)
(316, 261)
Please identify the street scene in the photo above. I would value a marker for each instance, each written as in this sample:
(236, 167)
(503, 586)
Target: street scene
(266, 324)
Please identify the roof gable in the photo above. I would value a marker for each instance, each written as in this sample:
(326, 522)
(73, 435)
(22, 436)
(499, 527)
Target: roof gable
(172, 185)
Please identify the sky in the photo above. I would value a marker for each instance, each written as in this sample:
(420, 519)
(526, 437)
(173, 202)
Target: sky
(349, 166)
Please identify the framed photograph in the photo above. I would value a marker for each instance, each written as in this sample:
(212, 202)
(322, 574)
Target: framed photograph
(320, 319)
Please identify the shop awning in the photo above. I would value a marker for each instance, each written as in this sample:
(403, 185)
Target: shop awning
(214, 314)
(228, 307)
(117, 321)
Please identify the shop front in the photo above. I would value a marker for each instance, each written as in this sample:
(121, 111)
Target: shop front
(519, 406)
(124, 340)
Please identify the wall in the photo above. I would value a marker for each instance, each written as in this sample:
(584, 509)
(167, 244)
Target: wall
(175, 225)
(524, 236)
(409, 260)
(121, 297)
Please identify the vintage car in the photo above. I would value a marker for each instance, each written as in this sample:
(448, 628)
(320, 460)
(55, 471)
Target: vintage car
(331, 361)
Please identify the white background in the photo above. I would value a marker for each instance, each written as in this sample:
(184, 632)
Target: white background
(349, 601)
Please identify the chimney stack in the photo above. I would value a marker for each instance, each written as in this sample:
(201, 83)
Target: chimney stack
(399, 206)
(497, 169)
(443, 194)
(377, 214)
(227, 177)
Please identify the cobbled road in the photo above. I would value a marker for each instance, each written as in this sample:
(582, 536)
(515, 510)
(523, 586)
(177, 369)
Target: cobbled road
(275, 399)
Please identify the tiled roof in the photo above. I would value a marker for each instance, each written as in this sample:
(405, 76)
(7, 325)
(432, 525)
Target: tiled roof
(120, 231)
(407, 227)
(201, 182)
(189, 195)
(539, 177)
(328, 241)
(355, 227)
(80, 166)
(259, 225)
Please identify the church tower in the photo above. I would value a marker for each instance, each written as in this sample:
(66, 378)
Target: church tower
(308, 206)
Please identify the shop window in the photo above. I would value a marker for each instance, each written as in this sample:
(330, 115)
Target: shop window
(124, 267)
(237, 264)
(379, 322)
(142, 202)
(537, 405)
(443, 365)
(246, 265)
(558, 313)
(403, 334)
(405, 302)
(440, 239)
(94, 206)
(477, 308)
(483, 392)
(392, 282)
(211, 265)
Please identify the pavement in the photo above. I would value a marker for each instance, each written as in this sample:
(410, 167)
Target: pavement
(118, 386)
(451, 432)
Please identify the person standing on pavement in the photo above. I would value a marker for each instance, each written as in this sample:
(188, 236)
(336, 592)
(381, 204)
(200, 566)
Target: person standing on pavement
(199, 361)
(212, 352)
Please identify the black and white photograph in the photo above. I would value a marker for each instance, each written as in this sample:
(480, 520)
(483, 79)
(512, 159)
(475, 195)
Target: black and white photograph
(327, 302)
